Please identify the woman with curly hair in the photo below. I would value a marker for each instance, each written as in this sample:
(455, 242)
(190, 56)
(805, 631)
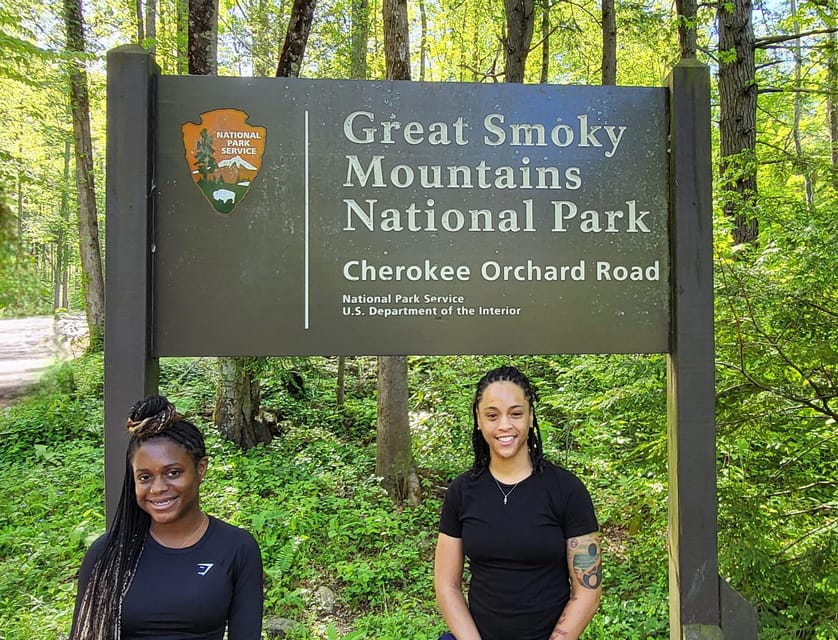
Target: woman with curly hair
(166, 569)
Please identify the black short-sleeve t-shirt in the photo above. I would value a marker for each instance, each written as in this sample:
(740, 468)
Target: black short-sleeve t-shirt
(517, 551)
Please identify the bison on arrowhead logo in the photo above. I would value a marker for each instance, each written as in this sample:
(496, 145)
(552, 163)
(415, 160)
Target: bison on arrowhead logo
(224, 154)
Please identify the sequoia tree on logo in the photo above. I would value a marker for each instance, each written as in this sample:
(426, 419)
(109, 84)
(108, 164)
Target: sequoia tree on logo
(224, 154)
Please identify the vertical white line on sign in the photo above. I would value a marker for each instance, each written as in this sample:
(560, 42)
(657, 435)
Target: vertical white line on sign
(305, 304)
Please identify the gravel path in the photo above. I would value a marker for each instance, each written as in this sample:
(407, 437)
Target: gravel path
(29, 345)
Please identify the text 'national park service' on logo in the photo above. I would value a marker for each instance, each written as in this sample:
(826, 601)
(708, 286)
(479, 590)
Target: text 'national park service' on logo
(224, 154)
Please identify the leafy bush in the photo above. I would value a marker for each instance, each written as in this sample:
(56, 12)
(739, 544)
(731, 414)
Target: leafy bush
(316, 508)
(58, 410)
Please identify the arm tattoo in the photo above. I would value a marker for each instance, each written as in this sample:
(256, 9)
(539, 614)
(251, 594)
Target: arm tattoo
(587, 565)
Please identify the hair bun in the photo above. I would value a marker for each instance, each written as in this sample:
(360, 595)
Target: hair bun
(150, 416)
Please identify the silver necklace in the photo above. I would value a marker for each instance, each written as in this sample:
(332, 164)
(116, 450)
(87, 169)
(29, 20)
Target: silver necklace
(506, 493)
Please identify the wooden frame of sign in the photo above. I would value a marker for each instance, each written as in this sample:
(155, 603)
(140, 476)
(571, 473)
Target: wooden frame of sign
(515, 219)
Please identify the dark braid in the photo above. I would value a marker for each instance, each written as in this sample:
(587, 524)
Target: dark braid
(479, 444)
(99, 614)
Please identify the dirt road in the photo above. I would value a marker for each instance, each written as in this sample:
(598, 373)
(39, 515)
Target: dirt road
(29, 345)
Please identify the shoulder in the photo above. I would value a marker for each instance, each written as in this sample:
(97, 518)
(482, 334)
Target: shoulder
(94, 551)
(571, 500)
(462, 479)
(556, 473)
(91, 557)
(98, 544)
(466, 481)
(564, 484)
(231, 535)
(235, 547)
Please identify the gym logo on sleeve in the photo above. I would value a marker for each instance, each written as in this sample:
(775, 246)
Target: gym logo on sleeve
(224, 155)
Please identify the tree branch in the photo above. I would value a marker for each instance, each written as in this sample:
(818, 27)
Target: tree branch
(765, 42)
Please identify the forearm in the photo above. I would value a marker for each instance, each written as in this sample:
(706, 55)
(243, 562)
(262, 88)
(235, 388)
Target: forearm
(457, 616)
(578, 612)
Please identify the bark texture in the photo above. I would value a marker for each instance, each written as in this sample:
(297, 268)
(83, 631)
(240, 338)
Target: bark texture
(832, 106)
(203, 37)
(609, 43)
(359, 35)
(62, 253)
(520, 19)
(296, 38)
(803, 163)
(237, 404)
(182, 16)
(237, 409)
(393, 451)
(393, 448)
(396, 39)
(545, 41)
(89, 246)
(341, 381)
(687, 13)
(151, 24)
(423, 39)
(138, 14)
(737, 117)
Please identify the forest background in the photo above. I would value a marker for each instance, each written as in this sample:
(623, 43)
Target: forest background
(346, 555)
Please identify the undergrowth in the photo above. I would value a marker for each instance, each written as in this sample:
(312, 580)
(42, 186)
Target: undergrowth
(314, 504)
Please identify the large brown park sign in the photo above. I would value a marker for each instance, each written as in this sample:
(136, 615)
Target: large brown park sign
(388, 218)
(264, 216)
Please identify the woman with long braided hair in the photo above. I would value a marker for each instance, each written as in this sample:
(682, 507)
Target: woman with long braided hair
(526, 526)
(166, 569)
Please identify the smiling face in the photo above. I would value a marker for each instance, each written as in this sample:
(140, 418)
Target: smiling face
(167, 480)
(504, 416)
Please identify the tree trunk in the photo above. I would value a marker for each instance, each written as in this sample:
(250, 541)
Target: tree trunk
(358, 36)
(423, 39)
(296, 38)
(609, 43)
(20, 225)
(341, 382)
(687, 16)
(182, 16)
(237, 398)
(545, 41)
(89, 250)
(237, 404)
(393, 451)
(203, 37)
(138, 16)
(396, 39)
(520, 20)
(832, 106)
(61, 253)
(737, 117)
(151, 24)
(801, 160)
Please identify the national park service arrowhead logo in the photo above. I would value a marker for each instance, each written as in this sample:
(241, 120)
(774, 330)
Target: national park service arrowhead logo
(224, 154)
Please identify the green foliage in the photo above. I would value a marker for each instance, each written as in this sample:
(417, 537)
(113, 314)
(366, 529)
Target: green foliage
(21, 291)
(310, 498)
(51, 484)
(16, 46)
(66, 406)
(776, 336)
(321, 518)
